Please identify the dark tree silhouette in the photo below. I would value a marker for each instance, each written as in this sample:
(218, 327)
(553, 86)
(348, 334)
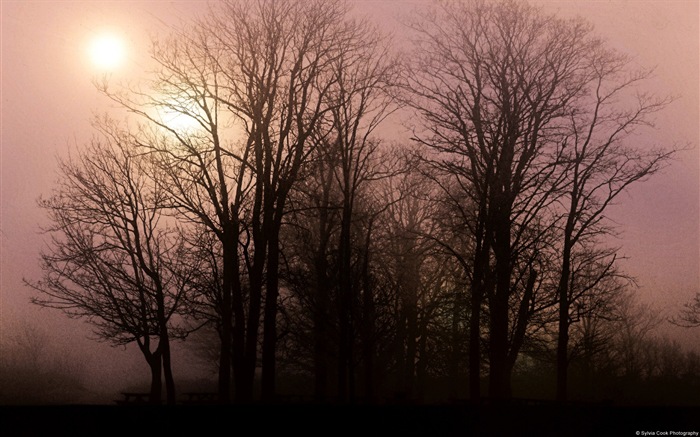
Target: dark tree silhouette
(689, 315)
(359, 100)
(263, 73)
(112, 258)
(602, 159)
(504, 92)
(491, 82)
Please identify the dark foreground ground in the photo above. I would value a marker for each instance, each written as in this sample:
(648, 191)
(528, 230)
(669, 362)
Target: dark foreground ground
(360, 421)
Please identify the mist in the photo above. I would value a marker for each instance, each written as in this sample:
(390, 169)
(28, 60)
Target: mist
(361, 263)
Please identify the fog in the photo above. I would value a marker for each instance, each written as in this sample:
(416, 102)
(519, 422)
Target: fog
(48, 98)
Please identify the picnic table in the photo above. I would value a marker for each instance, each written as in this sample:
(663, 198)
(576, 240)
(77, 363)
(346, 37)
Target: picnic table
(132, 398)
(201, 398)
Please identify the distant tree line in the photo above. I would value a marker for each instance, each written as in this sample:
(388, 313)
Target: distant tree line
(34, 371)
(260, 197)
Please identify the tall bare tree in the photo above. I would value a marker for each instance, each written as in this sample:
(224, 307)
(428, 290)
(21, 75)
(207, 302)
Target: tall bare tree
(112, 258)
(498, 87)
(255, 78)
(363, 73)
(602, 160)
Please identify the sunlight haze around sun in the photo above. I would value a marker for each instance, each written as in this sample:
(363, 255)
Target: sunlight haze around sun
(107, 51)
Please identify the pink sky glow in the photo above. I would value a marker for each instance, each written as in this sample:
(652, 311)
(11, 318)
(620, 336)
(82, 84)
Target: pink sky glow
(48, 100)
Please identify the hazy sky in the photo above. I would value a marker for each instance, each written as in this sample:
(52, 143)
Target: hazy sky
(48, 99)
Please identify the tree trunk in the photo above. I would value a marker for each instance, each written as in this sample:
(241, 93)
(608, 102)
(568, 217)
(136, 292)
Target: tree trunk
(411, 332)
(453, 367)
(244, 393)
(164, 342)
(164, 348)
(498, 348)
(226, 330)
(321, 304)
(368, 321)
(421, 364)
(269, 345)
(475, 344)
(322, 290)
(520, 327)
(250, 356)
(480, 275)
(498, 303)
(563, 338)
(345, 304)
(155, 364)
(563, 292)
(401, 333)
(164, 345)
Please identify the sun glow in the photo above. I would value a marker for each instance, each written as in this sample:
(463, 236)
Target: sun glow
(179, 121)
(107, 51)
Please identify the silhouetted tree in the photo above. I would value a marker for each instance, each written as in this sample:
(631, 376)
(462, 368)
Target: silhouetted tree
(408, 219)
(204, 173)
(602, 160)
(596, 289)
(492, 82)
(505, 93)
(112, 258)
(264, 73)
(689, 315)
(636, 321)
(359, 100)
(311, 273)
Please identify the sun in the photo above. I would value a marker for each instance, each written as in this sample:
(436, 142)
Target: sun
(107, 51)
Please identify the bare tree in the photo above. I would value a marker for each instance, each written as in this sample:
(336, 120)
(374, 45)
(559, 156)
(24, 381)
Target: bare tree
(689, 315)
(602, 161)
(492, 83)
(505, 93)
(635, 323)
(260, 72)
(112, 258)
(359, 100)
(408, 220)
(310, 248)
(596, 286)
